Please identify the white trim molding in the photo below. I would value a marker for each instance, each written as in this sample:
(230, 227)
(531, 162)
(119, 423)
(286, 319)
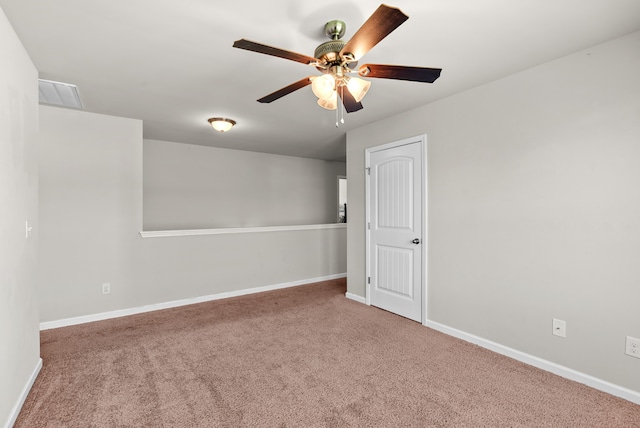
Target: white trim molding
(13, 416)
(231, 230)
(47, 325)
(565, 372)
(355, 297)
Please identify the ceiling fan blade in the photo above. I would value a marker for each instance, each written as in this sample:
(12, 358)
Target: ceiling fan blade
(268, 50)
(379, 25)
(286, 90)
(350, 103)
(400, 72)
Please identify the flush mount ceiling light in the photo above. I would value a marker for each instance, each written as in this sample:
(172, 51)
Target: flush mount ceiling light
(221, 124)
(58, 94)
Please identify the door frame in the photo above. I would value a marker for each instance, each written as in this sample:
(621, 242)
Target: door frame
(422, 140)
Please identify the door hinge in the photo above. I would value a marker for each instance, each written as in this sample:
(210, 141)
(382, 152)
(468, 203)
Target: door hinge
(369, 225)
(368, 170)
(369, 280)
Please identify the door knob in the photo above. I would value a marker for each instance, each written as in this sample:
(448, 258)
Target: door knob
(415, 241)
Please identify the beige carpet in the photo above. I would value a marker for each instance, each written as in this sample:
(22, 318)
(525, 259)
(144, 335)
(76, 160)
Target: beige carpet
(300, 357)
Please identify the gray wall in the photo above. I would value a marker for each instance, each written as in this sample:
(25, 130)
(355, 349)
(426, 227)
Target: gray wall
(90, 211)
(533, 208)
(19, 335)
(196, 187)
(91, 214)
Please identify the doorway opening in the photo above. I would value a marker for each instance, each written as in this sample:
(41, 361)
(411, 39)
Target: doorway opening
(342, 199)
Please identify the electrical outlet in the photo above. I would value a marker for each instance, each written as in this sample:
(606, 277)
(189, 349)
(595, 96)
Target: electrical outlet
(633, 347)
(559, 328)
(106, 288)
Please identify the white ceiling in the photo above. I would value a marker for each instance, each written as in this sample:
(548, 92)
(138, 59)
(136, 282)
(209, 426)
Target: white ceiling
(171, 62)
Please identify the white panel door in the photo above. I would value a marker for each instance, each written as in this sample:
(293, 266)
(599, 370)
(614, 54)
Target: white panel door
(395, 229)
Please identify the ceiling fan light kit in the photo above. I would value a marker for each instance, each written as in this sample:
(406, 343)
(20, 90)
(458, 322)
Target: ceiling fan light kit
(330, 103)
(221, 124)
(338, 58)
(323, 86)
(358, 87)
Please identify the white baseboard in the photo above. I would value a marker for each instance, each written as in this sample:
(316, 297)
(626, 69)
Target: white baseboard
(174, 304)
(355, 297)
(13, 416)
(540, 363)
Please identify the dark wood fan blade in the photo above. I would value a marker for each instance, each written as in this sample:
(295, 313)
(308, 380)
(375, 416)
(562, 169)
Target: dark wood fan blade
(400, 72)
(286, 90)
(350, 103)
(383, 21)
(268, 50)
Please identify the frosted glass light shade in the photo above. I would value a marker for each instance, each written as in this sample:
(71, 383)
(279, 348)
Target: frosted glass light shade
(330, 103)
(323, 86)
(358, 87)
(221, 124)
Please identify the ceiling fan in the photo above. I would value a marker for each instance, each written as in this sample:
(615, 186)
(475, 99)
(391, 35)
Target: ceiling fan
(337, 59)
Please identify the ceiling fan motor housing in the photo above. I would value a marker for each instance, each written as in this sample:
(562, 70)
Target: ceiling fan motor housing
(328, 53)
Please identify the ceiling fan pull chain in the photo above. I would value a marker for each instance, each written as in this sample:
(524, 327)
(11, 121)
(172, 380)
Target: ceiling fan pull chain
(342, 104)
(337, 106)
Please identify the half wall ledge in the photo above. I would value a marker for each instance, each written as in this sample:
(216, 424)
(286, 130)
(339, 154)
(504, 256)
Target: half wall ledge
(231, 230)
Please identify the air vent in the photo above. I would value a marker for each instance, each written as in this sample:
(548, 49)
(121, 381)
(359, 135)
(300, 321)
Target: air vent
(58, 94)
